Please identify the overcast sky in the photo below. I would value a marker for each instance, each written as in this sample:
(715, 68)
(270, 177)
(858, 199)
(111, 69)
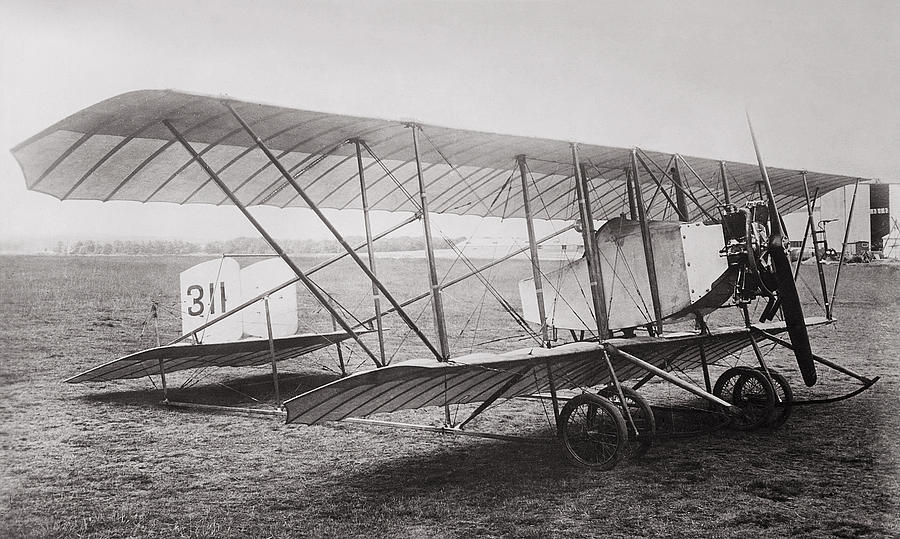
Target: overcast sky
(821, 80)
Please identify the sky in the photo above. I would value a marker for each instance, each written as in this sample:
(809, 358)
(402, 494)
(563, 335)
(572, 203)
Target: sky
(821, 80)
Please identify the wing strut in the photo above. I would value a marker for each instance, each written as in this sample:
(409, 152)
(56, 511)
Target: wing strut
(535, 259)
(370, 250)
(314, 290)
(648, 245)
(683, 213)
(337, 235)
(810, 206)
(436, 299)
(272, 352)
(595, 273)
(837, 275)
(726, 192)
(659, 186)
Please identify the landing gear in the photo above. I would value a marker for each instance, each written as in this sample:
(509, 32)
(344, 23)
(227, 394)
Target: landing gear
(750, 391)
(641, 414)
(593, 432)
(785, 395)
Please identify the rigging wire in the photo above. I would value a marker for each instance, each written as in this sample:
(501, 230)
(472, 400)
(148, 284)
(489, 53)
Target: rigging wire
(460, 256)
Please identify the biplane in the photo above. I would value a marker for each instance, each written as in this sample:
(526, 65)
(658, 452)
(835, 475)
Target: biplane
(666, 238)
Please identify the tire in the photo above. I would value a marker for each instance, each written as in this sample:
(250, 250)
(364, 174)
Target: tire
(593, 432)
(641, 414)
(749, 390)
(785, 395)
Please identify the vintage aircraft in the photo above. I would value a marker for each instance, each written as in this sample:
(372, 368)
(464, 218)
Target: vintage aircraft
(681, 237)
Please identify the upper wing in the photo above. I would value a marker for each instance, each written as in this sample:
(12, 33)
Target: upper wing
(119, 149)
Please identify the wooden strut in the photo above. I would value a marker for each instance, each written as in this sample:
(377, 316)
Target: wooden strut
(154, 313)
(640, 383)
(677, 186)
(618, 386)
(823, 361)
(837, 275)
(370, 249)
(554, 397)
(272, 351)
(704, 363)
(270, 240)
(687, 386)
(648, 245)
(808, 229)
(629, 188)
(337, 235)
(437, 302)
(758, 353)
(659, 186)
(535, 259)
(229, 409)
(444, 430)
(595, 273)
(513, 380)
(810, 208)
(340, 351)
(683, 212)
(726, 192)
(436, 299)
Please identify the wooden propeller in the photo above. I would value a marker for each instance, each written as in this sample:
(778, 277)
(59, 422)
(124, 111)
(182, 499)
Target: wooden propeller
(787, 290)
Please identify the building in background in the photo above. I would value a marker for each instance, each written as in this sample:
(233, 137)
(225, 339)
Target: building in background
(875, 215)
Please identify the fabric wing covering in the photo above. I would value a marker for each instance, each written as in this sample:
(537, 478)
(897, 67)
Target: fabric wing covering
(244, 353)
(477, 377)
(119, 149)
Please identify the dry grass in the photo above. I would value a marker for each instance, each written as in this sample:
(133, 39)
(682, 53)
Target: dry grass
(106, 461)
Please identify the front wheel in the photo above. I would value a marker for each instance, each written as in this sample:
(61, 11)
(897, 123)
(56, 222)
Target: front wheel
(642, 415)
(750, 391)
(592, 431)
(785, 397)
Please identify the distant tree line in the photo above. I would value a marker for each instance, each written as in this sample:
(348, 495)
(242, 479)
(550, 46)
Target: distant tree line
(236, 245)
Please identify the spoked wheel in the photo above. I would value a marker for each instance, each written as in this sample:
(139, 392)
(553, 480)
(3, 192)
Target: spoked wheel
(785, 395)
(641, 414)
(593, 432)
(749, 390)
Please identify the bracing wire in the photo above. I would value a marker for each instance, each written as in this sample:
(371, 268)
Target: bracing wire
(460, 256)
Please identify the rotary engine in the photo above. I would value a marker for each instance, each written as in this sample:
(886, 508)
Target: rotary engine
(747, 243)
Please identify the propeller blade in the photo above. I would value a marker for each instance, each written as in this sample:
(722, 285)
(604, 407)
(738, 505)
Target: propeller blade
(771, 308)
(774, 217)
(793, 315)
(787, 290)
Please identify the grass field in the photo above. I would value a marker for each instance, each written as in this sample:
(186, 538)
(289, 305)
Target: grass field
(107, 461)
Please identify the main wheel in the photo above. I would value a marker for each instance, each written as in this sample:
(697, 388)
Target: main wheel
(641, 414)
(592, 431)
(785, 395)
(749, 390)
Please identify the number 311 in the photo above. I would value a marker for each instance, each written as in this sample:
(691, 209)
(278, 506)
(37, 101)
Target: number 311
(195, 292)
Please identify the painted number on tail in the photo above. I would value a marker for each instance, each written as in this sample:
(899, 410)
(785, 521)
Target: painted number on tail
(203, 304)
(208, 290)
